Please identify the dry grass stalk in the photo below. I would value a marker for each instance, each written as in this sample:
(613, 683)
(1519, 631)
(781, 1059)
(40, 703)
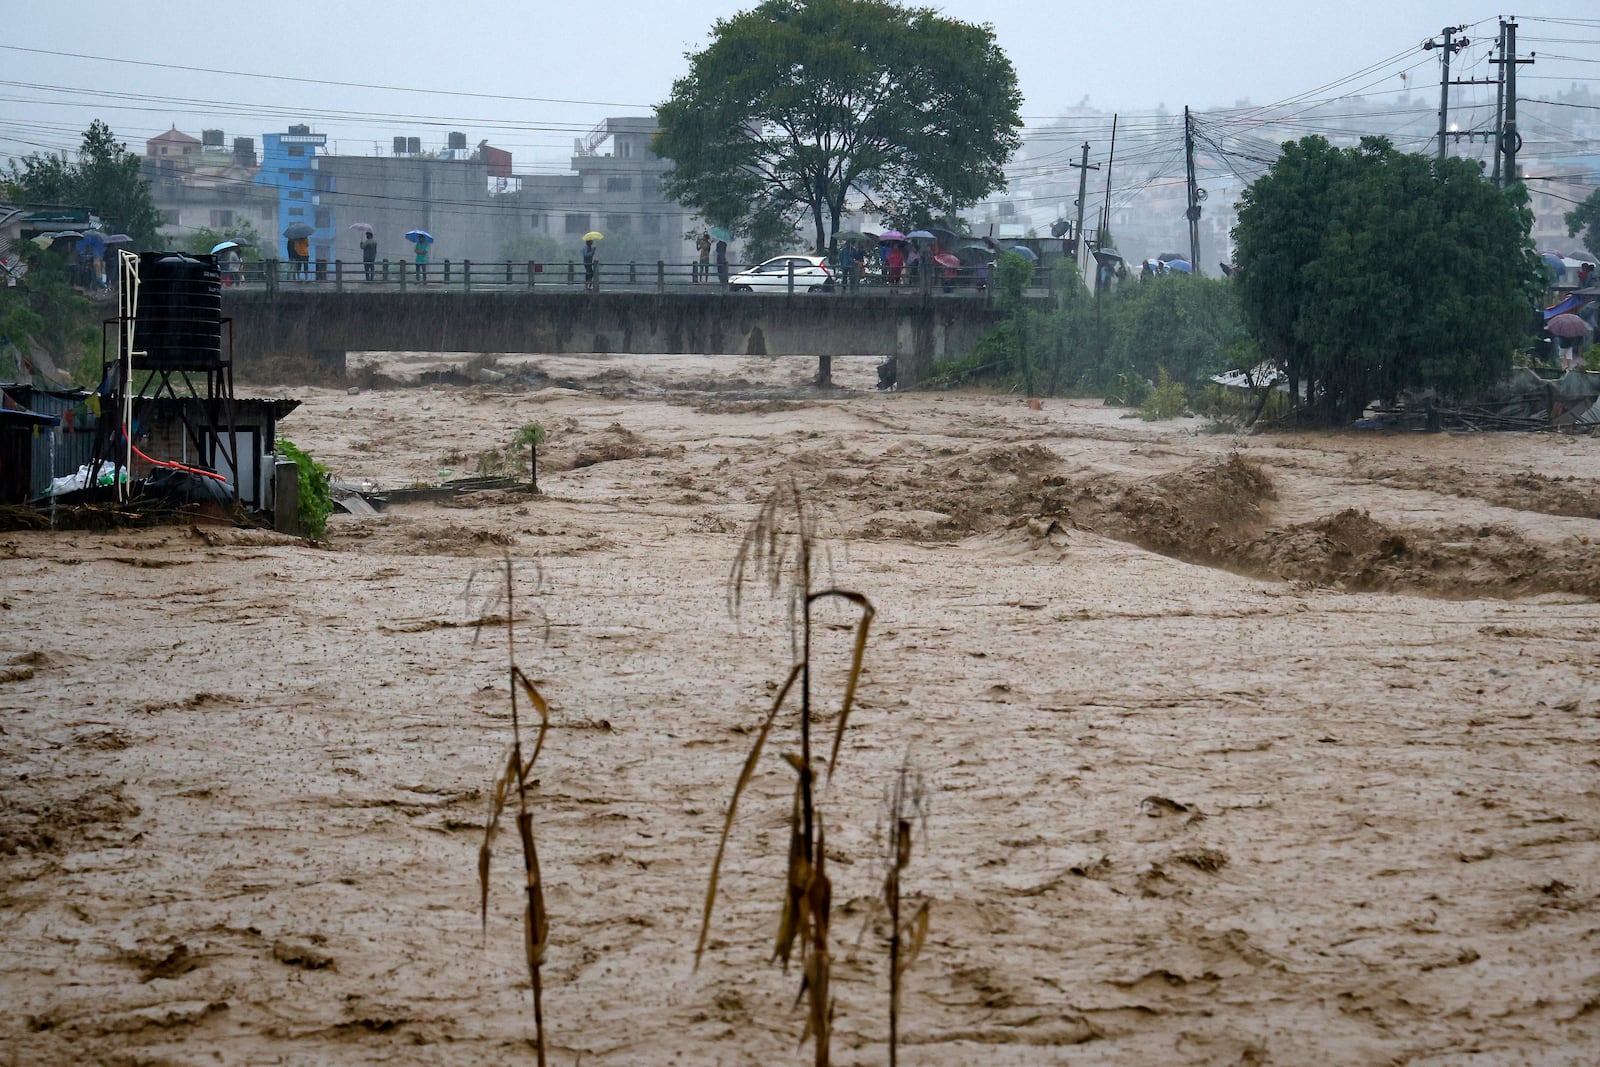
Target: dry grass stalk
(536, 924)
(906, 808)
(779, 546)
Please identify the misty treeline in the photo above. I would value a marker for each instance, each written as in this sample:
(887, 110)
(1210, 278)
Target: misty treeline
(1183, 327)
(1362, 274)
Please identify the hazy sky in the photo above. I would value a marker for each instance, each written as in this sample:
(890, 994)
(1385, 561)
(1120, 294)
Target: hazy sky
(411, 66)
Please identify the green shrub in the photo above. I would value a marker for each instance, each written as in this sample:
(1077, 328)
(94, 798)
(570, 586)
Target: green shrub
(1166, 400)
(316, 504)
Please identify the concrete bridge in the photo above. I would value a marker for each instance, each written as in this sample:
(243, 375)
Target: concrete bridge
(324, 324)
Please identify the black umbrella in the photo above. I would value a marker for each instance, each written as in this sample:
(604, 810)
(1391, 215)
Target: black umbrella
(975, 254)
(1168, 257)
(947, 238)
(296, 230)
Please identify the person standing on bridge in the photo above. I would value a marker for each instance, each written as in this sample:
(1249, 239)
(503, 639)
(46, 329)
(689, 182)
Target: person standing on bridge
(422, 260)
(369, 253)
(590, 279)
(702, 267)
(722, 263)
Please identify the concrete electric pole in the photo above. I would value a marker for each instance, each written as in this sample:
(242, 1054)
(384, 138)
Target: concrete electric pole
(1083, 194)
(1449, 48)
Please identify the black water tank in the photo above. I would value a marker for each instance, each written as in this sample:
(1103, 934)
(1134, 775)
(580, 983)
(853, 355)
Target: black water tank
(178, 325)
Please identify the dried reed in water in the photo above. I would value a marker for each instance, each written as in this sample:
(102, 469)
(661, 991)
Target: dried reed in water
(515, 776)
(905, 939)
(779, 545)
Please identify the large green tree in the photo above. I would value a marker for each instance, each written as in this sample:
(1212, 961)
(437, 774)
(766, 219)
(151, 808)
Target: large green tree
(104, 179)
(1367, 272)
(1183, 324)
(1585, 219)
(814, 107)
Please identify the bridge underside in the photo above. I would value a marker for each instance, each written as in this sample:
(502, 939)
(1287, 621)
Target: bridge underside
(325, 325)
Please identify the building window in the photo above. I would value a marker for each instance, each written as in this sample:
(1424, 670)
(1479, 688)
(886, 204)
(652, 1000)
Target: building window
(297, 175)
(269, 213)
(297, 150)
(163, 149)
(650, 224)
(324, 218)
(536, 221)
(221, 219)
(577, 223)
(618, 185)
(297, 213)
(296, 194)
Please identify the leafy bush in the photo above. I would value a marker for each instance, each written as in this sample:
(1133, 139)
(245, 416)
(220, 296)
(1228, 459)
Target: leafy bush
(1165, 401)
(316, 504)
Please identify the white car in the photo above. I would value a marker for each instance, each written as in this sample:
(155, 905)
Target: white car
(811, 275)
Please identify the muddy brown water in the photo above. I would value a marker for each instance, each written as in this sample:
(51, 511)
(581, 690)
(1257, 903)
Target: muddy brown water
(1269, 749)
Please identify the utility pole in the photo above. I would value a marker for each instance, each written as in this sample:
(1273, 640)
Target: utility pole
(1449, 48)
(1510, 139)
(1083, 194)
(1193, 211)
(1499, 107)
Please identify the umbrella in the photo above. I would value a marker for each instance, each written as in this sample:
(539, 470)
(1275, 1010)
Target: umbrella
(975, 254)
(718, 233)
(93, 243)
(224, 246)
(119, 239)
(43, 240)
(296, 230)
(361, 226)
(59, 234)
(945, 259)
(1024, 251)
(1567, 325)
(920, 235)
(891, 235)
(596, 235)
(854, 235)
(1557, 266)
(945, 237)
(1182, 266)
(419, 236)
(1168, 257)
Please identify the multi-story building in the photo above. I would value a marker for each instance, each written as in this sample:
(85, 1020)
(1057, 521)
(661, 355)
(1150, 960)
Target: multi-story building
(203, 184)
(290, 165)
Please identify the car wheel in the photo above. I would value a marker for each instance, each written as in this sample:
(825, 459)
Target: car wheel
(742, 289)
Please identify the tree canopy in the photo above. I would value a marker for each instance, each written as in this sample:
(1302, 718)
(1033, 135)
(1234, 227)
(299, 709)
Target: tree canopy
(104, 179)
(1366, 272)
(812, 107)
(1585, 219)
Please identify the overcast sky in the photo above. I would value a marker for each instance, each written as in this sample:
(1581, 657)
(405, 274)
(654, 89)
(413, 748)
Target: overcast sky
(546, 72)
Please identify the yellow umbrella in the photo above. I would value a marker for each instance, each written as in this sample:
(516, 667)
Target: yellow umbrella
(593, 235)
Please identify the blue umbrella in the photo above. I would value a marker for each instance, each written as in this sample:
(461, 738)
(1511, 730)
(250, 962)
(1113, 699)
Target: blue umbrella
(93, 243)
(921, 235)
(419, 236)
(1182, 265)
(1557, 265)
(1024, 251)
(224, 246)
(720, 233)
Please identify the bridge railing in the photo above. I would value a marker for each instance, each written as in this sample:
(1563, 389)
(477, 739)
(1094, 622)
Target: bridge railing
(660, 277)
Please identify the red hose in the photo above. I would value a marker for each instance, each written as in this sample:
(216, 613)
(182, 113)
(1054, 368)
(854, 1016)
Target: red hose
(174, 466)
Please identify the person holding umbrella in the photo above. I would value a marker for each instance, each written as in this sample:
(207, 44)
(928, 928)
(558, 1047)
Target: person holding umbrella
(421, 241)
(369, 253)
(591, 267)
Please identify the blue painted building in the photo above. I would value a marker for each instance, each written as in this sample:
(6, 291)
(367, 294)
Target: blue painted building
(289, 163)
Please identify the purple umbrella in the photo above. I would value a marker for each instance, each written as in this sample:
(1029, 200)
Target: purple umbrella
(1566, 326)
(891, 235)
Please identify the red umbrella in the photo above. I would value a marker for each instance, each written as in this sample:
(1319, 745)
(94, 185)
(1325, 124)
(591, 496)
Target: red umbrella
(945, 259)
(1568, 325)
